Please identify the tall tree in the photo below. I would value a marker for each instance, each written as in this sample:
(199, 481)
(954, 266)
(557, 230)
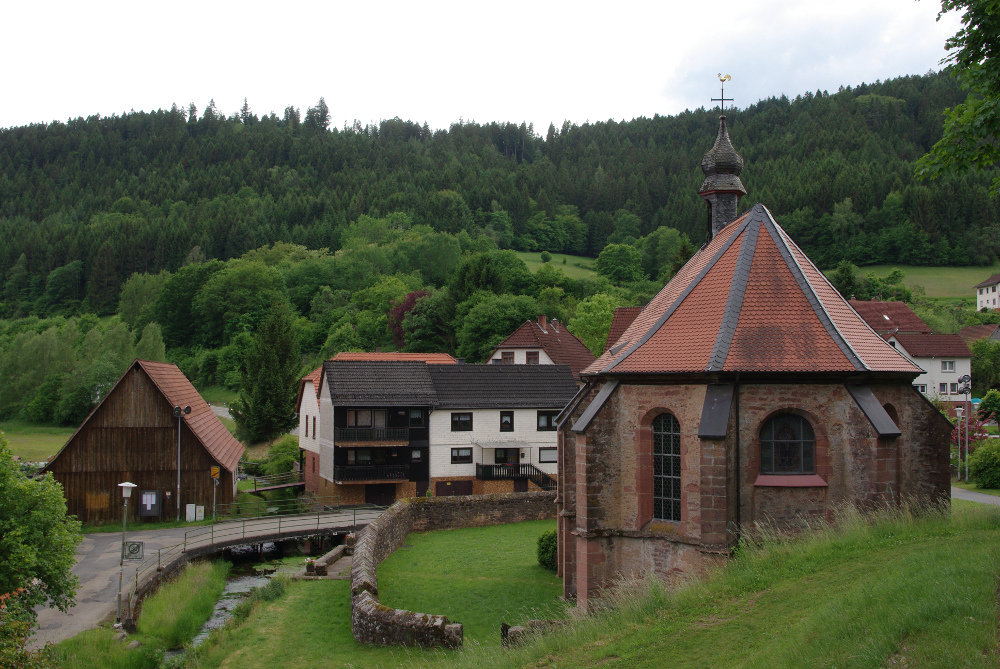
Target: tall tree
(265, 407)
(971, 129)
(318, 117)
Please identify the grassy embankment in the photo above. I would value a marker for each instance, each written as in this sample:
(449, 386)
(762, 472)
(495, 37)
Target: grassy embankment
(904, 590)
(974, 488)
(576, 267)
(937, 281)
(170, 618)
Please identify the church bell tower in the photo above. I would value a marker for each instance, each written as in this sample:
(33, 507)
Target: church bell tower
(722, 188)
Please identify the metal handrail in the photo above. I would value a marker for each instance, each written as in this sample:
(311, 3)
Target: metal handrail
(271, 480)
(371, 473)
(228, 531)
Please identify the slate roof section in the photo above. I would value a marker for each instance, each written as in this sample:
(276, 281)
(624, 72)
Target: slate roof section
(619, 323)
(933, 345)
(202, 421)
(750, 300)
(993, 280)
(971, 333)
(889, 317)
(503, 386)
(380, 382)
(558, 343)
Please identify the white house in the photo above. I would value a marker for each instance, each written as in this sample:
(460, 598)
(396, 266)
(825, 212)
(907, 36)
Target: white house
(944, 358)
(392, 429)
(543, 342)
(986, 293)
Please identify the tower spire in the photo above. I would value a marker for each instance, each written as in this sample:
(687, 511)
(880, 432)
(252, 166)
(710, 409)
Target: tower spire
(722, 165)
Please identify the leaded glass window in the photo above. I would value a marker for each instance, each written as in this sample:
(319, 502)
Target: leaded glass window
(787, 446)
(666, 468)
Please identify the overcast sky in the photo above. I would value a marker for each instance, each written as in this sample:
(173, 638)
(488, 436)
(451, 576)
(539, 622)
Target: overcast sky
(439, 61)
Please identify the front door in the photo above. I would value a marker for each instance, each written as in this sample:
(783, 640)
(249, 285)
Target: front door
(381, 494)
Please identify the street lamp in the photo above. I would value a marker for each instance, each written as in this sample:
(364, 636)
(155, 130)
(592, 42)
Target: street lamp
(180, 413)
(126, 493)
(966, 388)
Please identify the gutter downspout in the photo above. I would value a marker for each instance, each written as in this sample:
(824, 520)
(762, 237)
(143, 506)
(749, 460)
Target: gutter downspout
(739, 481)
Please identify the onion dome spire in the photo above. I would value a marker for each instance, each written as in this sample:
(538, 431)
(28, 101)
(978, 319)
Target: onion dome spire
(722, 187)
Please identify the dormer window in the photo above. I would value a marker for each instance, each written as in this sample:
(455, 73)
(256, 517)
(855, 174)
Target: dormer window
(507, 358)
(531, 357)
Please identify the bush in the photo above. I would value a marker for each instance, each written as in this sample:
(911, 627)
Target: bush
(282, 456)
(546, 256)
(548, 550)
(984, 465)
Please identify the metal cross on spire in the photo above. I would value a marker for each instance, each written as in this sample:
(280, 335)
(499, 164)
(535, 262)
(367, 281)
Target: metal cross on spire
(722, 99)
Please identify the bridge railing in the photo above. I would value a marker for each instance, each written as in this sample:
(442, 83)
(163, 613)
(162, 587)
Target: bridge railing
(283, 507)
(235, 532)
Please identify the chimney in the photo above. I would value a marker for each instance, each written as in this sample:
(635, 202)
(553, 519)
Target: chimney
(722, 188)
(542, 322)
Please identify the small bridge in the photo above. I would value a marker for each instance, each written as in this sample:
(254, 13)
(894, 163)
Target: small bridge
(276, 482)
(210, 539)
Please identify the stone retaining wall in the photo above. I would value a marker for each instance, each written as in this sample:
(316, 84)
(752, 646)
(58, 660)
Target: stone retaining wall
(372, 623)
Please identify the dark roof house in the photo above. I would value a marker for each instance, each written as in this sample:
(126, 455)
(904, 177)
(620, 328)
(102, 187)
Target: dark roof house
(559, 344)
(890, 317)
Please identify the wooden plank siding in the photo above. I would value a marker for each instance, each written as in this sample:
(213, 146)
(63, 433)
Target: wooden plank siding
(132, 436)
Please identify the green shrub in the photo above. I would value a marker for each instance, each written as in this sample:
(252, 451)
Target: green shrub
(179, 609)
(282, 456)
(546, 256)
(548, 550)
(984, 465)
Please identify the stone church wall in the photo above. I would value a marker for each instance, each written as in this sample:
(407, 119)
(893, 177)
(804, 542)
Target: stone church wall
(372, 623)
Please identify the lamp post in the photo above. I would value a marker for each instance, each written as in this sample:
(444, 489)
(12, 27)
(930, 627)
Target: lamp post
(126, 493)
(180, 413)
(966, 388)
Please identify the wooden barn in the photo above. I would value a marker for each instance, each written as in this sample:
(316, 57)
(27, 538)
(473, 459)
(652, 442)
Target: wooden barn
(131, 435)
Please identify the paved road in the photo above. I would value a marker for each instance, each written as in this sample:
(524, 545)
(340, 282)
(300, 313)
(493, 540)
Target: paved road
(98, 556)
(968, 495)
(222, 412)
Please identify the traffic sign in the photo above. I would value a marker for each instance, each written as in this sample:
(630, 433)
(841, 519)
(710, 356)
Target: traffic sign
(133, 550)
(215, 472)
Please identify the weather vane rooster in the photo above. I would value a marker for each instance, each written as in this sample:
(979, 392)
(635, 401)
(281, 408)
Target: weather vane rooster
(722, 99)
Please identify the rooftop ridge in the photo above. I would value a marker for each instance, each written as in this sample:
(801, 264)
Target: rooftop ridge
(734, 303)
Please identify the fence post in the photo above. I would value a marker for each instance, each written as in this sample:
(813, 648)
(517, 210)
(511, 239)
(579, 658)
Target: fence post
(184, 550)
(158, 560)
(279, 525)
(213, 534)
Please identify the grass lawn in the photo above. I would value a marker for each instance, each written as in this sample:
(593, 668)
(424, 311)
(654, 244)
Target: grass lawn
(220, 395)
(897, 590)
(576, 267)
(35, 443)
(938, 281)
(479, 577)
(974, 488)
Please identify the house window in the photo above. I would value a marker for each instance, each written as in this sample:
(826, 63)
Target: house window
(314, 427)
(461, 456)
(359, 456)
(507, 358)
(359, 418)
(943, 388)
(416, 455)
(787, 446)
(531, 357)
(947, 365)
(506, 421)
(921, 388)
(307, 426)
(416, 417)
(547, 420)
(461, 422)
(506, 456)
(954, 389)
(548, 454)
(666, 468)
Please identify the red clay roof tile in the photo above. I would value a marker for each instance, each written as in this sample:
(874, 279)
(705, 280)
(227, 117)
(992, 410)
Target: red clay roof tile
(933, 345)
(888, 317)
(619, 323)
(558, 343)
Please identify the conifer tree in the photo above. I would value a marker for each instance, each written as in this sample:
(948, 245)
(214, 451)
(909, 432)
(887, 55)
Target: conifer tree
(265, 408)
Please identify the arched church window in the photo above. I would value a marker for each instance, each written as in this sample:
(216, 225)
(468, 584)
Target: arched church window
(666, 468)
(787, 446)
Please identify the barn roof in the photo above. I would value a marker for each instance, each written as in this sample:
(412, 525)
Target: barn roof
(749, 301)
(558, 343)
(202, 421)
(178, 391)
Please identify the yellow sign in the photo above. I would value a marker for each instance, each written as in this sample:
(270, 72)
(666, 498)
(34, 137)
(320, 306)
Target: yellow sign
(215, 472)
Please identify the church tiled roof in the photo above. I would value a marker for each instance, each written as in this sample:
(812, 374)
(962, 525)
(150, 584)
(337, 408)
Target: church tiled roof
(750, 300)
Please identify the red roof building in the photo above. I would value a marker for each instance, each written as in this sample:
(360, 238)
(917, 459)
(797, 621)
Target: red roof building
(746, 390)
(890, 317)
(971, 333)
(131, 435)
(543, 342)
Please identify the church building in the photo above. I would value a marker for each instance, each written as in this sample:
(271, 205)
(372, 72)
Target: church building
(747, 390)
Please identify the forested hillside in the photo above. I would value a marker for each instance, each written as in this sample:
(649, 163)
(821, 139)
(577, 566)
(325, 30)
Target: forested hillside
(190, 227)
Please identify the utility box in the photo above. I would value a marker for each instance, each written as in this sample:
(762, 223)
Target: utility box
(199, 513)
(189, 512)
(150, 503)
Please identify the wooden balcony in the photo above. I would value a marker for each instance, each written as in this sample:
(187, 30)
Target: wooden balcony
(371, 435)
(371, 473)
(511, 472)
